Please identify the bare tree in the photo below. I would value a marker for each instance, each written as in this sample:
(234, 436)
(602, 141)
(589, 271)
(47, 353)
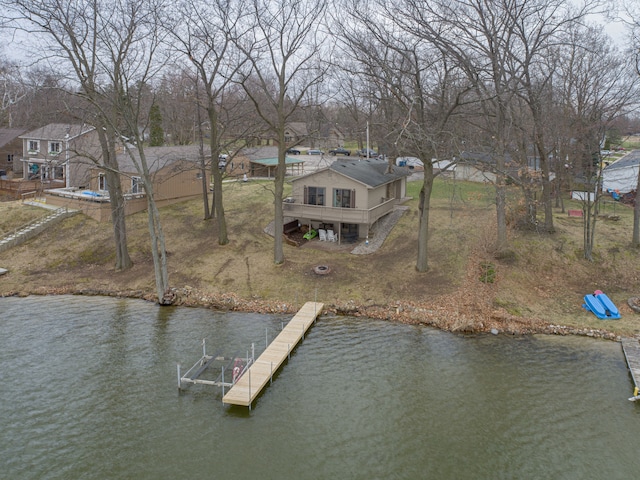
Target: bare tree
(69, 37)
(12, 89)
(417, 91)
(204, 36)
(597, 86)
(283, 52)
(139, 64)
(632, 20)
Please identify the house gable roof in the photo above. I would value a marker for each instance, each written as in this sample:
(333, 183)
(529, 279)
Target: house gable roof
(58, 131)
(631, 159)
(7, 135)
(161, 157)
(298, 128)
(371, 173)
(270, 162)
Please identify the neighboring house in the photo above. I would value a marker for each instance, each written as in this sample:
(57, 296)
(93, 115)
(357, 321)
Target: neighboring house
(59, 155)
(480, 167)
(299, 133)
(296, 132)
(176, 176)
(347, 197)
(622, 175)
(11, 150)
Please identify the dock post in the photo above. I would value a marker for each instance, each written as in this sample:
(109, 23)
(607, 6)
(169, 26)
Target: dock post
(222, 383)
(179, 379)
(204, 349)
(249, 372)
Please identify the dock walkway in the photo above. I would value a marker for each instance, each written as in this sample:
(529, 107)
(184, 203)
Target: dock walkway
(631, 349)
(249, 386)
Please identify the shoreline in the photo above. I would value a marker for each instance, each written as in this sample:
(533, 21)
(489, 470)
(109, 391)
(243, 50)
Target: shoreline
(471, 322)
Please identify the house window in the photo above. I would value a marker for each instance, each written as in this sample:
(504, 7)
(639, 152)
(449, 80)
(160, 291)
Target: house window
(344, 198)
(58, 173)
(136, 185)
(102, 181)
(34, 146)
(10, 158)
(54, 148)
(314, 195)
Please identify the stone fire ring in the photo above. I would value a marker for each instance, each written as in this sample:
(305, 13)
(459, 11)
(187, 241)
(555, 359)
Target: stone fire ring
(321, 269)
(634, 303)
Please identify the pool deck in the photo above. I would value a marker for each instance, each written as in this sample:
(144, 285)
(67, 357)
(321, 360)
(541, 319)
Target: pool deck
(249, 386)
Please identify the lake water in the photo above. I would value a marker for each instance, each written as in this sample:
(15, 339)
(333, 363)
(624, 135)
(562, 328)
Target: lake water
(88, 389)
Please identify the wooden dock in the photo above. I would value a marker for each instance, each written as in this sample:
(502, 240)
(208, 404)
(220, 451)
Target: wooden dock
(249, 386)
(631, 349)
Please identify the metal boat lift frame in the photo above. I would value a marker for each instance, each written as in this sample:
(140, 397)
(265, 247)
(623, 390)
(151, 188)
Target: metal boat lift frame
(192, 375)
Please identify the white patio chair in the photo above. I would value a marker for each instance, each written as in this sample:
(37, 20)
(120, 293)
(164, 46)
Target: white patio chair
(322, 234)
(331, 237)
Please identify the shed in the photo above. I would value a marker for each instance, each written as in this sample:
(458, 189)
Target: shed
(622, 175)
(266, 167)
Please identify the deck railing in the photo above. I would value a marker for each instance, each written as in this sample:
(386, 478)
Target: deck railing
(336, 214)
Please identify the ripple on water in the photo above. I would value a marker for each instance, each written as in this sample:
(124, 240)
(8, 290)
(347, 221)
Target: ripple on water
(89, 390)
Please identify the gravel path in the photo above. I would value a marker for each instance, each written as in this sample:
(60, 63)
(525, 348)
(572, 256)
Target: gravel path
(381, 232)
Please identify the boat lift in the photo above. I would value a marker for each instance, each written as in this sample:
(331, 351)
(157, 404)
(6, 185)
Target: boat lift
(231, 369)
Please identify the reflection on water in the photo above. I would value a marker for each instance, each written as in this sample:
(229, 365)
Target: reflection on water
(89, 390)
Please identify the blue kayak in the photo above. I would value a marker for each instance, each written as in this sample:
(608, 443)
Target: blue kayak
(601, 306)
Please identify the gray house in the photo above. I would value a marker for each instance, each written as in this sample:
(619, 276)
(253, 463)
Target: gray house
(347, 197)
(59, 154)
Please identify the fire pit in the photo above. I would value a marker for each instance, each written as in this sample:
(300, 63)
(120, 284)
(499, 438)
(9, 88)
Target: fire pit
(321, 269)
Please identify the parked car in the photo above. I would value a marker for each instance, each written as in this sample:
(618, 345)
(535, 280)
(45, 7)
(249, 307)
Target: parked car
(340, 151)
(363, 153)
(314, 151)
(293, 151)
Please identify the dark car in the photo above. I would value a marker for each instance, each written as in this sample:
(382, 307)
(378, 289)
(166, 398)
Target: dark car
(293, 151)
(340, 151)
(363, 153)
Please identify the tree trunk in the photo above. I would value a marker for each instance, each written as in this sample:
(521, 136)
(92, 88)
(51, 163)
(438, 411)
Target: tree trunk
(422, 264)
(217, 209)
(501, 213)
(635, 239)
(278, 197)
(156, 235)
(546, 185)
(106, 136)
(159, 253)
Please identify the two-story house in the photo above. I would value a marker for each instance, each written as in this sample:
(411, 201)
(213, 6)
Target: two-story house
(347, 197)
(63, 163)
(59, 154)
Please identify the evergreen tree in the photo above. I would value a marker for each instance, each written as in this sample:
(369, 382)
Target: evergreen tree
(155, 121)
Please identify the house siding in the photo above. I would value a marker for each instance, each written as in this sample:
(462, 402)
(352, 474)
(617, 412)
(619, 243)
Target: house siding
(371, 203)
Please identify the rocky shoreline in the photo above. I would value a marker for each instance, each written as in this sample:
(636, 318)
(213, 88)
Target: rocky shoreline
(467, 321)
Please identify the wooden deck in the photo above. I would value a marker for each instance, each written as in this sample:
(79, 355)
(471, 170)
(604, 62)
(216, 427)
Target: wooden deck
(631, 349)
(245, 391)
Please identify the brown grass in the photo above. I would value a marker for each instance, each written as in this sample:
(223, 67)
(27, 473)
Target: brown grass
(542, 282)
